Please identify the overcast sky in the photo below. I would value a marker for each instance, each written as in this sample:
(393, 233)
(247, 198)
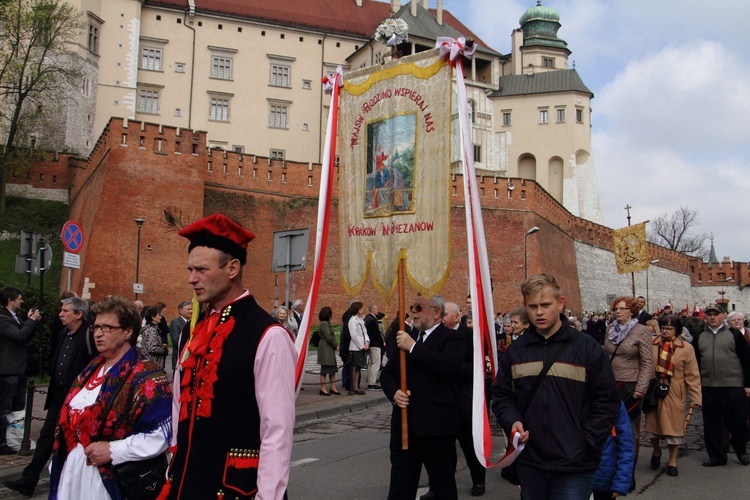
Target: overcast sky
(671, 108)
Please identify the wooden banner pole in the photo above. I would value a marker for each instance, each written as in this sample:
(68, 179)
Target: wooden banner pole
(402, 354)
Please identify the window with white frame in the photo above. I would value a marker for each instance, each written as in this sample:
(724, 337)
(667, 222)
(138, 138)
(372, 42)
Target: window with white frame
(148, 101)
(86, 86)
(222, 62)
(219, 109)
(543, 116)
(280, 75)
(560, 112)
(278, 115)
(506, 118)
(151, 58)
(179, 67)
(221, 67)
(93, 40)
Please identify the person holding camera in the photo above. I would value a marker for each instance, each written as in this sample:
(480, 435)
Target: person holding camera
(14, 334)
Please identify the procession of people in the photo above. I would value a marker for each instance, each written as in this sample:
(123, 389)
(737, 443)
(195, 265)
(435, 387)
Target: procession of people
(223, 425)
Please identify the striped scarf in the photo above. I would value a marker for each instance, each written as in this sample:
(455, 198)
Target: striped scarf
(665, 365)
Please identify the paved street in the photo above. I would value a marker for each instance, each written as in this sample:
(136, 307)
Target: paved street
(341, 452)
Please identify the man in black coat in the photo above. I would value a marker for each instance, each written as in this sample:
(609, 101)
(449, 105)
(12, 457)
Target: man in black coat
(433, 362)
(14, 334)
(642, 315)
(73, 350)
(376, 347)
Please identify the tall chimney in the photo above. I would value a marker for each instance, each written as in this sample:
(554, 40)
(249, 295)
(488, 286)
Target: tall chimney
(413, 6)
(440, 12)
(395, 5)
(426, 4)
(358, 3)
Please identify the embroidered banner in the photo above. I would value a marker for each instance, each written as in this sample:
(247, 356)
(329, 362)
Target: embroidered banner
(394, 153)
(631, 248)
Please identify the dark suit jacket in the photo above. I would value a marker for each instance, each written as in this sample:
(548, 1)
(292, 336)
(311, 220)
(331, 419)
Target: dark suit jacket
(432, 374)
(84, 350)
(14, 352)
(373, 331)
(643, 316)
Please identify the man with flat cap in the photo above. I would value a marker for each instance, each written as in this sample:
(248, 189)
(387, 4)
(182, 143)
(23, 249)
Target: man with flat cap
(234, 390)
(724, 360)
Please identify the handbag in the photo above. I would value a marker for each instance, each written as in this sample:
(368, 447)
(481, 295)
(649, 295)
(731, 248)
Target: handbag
(650, 399)
(138, 479)
(315, 339)
(657, 389)
(510, 473)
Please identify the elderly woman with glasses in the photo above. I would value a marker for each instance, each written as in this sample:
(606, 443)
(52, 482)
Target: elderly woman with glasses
(118, 410)
(676, 368)
(628, 345)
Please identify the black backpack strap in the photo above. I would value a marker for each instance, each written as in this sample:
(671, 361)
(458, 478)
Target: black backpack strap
(547, 365)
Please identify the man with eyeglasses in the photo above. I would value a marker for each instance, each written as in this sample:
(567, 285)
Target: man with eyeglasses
(74, 349)
(236, 379)
(14, 334)
(724, 359)
(433, 362)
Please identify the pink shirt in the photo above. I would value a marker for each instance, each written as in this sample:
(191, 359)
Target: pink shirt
(275, 394)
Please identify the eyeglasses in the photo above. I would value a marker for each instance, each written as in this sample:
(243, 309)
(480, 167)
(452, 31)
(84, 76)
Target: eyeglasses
(418, 307)
(105, 328)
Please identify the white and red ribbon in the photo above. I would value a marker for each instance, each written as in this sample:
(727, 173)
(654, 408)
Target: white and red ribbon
(453, 47)
(331, 78)
(484, 341)
(336, 81)
(514, 447)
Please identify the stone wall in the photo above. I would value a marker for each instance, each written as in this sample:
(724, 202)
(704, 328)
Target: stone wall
(138, 169)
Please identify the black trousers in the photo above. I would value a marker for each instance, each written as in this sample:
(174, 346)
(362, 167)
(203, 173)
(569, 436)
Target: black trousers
(45, 441)
(724, 406)
(466, 440)
(436, 453)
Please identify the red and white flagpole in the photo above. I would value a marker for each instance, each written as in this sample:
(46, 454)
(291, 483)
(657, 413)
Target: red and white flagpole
(331, 84)
(484, 341)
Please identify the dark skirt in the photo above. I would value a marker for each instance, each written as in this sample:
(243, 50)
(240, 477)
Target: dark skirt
(358, 358)
(328, 369)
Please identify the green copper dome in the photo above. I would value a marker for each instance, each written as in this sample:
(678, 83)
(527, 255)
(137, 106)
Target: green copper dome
(540, 25)
(539, 13)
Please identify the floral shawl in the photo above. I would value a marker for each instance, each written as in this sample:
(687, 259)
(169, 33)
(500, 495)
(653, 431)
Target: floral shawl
(143, 404)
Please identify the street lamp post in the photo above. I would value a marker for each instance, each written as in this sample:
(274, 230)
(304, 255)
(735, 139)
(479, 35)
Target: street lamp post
(138, 222)
(648, 304)
(525, 269)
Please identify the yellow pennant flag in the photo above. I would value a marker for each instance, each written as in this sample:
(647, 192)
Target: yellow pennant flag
(631, 248)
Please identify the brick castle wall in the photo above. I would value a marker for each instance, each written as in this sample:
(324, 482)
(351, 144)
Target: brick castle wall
(138, 169)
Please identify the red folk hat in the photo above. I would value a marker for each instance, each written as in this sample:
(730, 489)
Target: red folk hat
(220, 232)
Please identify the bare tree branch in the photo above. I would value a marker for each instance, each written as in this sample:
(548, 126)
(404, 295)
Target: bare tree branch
(673, 230)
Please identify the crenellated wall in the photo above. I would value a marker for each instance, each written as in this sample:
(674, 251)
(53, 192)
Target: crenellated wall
(139, 169)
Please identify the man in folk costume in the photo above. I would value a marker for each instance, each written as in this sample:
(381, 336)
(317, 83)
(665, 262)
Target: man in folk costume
(235, 390)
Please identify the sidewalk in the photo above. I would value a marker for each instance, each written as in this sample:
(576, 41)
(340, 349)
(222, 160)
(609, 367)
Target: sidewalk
(310, 406)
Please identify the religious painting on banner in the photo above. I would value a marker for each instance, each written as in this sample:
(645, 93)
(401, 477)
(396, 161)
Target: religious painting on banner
(631, 248)
(394, 156)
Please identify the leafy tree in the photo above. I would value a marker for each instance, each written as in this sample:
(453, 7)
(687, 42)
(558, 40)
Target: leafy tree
(673, 230)
(36, 70)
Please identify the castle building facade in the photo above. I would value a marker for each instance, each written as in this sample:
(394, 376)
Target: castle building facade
(247, 72)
